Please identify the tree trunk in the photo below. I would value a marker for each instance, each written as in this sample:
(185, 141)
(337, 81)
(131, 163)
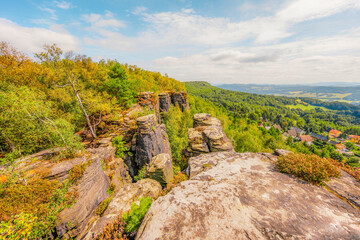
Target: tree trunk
(83, 110)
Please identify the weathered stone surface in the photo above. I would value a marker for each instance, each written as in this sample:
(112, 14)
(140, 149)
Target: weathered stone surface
(242, 196)
(217, 140)
(160, 169)
(205, 119)
(204, 162)
(281, 152)
(91, 189)
(206, 136)
(122, 203)
(152, 140)
(197, 142)
(180, 99)
(164, 102)
(347, 187)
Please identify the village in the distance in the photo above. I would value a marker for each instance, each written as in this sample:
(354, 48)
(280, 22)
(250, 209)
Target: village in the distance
(345, 145)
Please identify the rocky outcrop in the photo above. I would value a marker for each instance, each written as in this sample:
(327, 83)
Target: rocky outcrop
(160, 169)
(91, 190)
(242, 196)
(206, 136)
(122, 203)
(150, 140)
(180, 99)
(148, 99)
(164, 102)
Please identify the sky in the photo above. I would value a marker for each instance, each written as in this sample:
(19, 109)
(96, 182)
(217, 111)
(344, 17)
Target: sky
(218, 41)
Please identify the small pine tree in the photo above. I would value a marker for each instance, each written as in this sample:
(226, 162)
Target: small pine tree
(119, 86)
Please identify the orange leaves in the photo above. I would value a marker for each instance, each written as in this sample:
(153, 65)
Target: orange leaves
(3, 179)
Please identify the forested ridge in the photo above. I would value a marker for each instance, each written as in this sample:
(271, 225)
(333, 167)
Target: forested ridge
(341, 116)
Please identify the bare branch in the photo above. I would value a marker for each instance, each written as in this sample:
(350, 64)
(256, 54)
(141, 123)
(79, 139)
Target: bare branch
(62, 85)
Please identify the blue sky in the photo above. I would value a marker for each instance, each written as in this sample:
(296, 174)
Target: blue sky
(227, 41)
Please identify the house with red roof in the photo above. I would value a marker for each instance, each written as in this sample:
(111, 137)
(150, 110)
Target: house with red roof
(340, 146)
(334, 133)
(307, 139)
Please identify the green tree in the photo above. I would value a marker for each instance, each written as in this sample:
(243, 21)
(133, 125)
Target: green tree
(118, 85)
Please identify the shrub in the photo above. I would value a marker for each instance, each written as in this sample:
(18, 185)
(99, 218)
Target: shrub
(311, 168)
(134, 217)
(119, 144)
(103, 206)
(111, 189)
(114, 230)
(33, 208)
(178, 178)
(78, 171)
(141, 174)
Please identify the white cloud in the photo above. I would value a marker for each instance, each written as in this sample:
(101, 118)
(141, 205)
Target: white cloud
(31, 39)
(51, 11)
(304, 10)
(311, 60)
(138, 10)
(63, 5)
(98, 21)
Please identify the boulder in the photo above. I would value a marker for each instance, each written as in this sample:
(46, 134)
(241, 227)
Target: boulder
(206, 136)
(164, 102)
(205, 119)
(180, 99)
(122, 203)
(242, 196)
(151, 140)
(160, 169)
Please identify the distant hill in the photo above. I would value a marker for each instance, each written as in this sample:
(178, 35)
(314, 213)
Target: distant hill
(343, 93)
(310, 114)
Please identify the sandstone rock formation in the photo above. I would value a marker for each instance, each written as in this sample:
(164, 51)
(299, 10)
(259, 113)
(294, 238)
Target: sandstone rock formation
(121, 203)
(164, 102)
(160, 169)
(180, 99)
(242, 196)
(150, 140)
(148, 99)
(206, 136)
(92, 190)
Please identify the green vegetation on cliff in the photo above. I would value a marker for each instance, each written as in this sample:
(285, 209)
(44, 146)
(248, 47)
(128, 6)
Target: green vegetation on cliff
(43, 102)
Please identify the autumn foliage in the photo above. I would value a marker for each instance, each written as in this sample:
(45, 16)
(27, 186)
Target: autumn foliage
(311, 168)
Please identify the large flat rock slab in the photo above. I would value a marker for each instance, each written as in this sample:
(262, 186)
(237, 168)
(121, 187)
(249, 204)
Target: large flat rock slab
(242, 196)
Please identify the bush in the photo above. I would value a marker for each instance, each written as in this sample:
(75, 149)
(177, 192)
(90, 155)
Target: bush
(78, 171)
(103, 206)
(134, 217)
(114, 230)
(141, 174)
(111, 189)
(119, 144)
(311, 168)
(30, 211)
